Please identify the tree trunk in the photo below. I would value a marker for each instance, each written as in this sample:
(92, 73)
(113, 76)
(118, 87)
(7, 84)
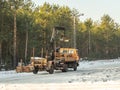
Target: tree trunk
(14, 41)
(26, 44)
(1, 53)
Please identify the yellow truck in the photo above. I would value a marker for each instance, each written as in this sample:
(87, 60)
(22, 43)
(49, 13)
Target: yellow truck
(41, 64)
(64, 58)
(60, 58)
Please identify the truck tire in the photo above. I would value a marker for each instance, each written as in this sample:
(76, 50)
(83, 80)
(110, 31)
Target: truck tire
(65, 68)
(51, 71)
(75, 66)
(35, 71)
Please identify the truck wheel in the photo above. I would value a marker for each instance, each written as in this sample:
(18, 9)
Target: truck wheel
(51, 71)
(65, 68)
(75, 66)
(35, 71)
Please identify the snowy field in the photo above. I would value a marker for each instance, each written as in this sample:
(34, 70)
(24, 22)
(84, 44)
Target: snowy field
(91, 75)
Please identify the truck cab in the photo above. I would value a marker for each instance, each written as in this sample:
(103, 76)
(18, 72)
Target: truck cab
(66, 58)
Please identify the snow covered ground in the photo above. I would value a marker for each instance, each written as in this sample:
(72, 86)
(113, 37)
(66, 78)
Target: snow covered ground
(91, 75)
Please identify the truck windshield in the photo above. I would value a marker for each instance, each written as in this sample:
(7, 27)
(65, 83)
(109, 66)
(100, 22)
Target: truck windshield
(63, 51)
(71, 51)
(67, 51)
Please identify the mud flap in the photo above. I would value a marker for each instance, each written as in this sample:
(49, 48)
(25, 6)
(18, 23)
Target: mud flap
(51, 70)
(75, 66)
(65, 68)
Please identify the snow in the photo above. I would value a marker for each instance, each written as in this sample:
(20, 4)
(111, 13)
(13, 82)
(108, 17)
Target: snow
(91, 75)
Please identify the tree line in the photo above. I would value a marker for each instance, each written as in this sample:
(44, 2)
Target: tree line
(95, 39)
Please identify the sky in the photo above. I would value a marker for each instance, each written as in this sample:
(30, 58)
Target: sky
(94, 9)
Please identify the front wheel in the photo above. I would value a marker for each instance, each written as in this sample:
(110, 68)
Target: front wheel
(35, 71)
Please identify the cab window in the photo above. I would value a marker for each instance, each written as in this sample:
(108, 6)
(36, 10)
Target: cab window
(71, 51)
(63, 51)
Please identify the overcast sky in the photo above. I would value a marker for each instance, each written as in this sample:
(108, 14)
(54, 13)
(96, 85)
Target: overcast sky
(94, 9)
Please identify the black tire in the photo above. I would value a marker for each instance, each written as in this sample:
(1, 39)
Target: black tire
(35, 71)
(75, 66)
(51, 71)
(65, 68)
